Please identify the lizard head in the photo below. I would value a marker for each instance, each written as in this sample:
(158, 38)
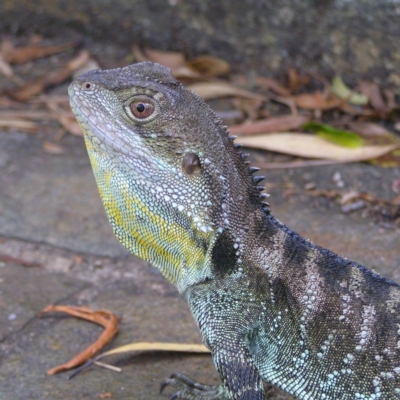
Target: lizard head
(164, 164)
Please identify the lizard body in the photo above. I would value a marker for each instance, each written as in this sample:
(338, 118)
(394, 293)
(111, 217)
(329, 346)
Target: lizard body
(270, 305)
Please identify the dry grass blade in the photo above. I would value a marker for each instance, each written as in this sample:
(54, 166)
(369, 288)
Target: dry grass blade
(310, 146)
(24, 54)
(105, 318)
(270, 125)
(214, 90)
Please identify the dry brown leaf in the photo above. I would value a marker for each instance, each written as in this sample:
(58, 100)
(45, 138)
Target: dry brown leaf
(53, 148)
(369, 129)
(143, 346)
(209, 66)
(156, 346)
(107, 395)
(65, 118)
(170, 59)
(214, 90)
(310, 146)
(373, 92)
(270, 125)
(249, 107)
(5, 68)
(26, 114)
(396, 201)
(31, 89)
(175, 61)
(390, 98)
(316, 101)
(19, 124)
(102, 317)
(24, 54)
(296, 80)
(349, 197)
(272, 84)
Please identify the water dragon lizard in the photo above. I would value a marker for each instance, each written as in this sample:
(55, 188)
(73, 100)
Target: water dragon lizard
(271, 306)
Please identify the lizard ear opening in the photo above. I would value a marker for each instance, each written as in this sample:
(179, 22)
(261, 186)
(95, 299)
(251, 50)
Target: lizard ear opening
(190, 163)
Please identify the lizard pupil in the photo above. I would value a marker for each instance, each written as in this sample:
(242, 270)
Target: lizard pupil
(142, 109)
(190, 163)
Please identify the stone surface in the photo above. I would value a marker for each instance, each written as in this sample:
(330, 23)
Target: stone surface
(349, 37)
(56, 247)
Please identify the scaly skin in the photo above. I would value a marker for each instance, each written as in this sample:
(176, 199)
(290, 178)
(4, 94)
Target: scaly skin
(270, 305)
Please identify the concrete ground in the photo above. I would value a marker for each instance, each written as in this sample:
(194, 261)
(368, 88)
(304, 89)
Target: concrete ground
(56, 247)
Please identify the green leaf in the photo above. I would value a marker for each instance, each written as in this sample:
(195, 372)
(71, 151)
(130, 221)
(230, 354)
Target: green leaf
(340, 89)
(339, 136)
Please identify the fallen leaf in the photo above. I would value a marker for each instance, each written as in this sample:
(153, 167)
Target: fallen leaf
(395, 201)
(102, 317)
(170, 59)
(373, 92)
(156, 346)
(53, 148)
(339, 136)
(390, 98)
(175, 61)
(214, 90)
(249, 107)
(349, 197)
(22, 55)
(89, 66)
(19, 124)
(272, 84)
(311, 146)
(316, 101)
(107, 395)
(26, 114)
(270, 125)
(209, 66)
(369, 129)
(65, 118)
(31, 89)
(144, 346)
(343, 92)
(5, 68)
(296, 80)
(20, 261)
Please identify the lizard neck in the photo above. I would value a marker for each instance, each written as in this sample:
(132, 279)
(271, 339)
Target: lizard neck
(167, 241)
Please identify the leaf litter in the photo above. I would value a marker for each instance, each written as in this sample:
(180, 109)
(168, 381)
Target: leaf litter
(253, 105)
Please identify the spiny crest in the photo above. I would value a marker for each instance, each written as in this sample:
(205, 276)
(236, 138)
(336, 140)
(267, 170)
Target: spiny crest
(256, 179)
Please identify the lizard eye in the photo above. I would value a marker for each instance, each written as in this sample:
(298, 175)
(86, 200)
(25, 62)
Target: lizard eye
(142, 109)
